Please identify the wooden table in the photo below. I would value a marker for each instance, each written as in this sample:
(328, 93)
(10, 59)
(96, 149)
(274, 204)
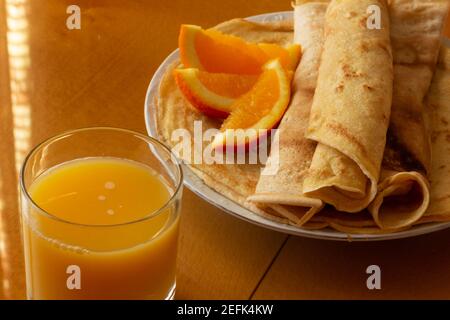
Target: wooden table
(54, 79)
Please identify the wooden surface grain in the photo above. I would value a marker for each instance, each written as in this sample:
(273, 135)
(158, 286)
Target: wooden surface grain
(416, 268)
(54, 79)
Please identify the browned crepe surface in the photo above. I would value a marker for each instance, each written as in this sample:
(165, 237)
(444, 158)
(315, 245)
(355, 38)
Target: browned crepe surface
(350, 113)
(438, 116)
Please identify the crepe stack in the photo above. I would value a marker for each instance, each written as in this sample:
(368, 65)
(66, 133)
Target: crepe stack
(403, 195)
(364, 144)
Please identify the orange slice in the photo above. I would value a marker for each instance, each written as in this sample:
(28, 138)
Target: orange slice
(212, 93)
(213, 51)
(260, 108)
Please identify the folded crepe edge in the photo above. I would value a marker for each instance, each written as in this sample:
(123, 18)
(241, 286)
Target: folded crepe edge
(336, 195)
(265, 212)
(411, 186)
(296, 208)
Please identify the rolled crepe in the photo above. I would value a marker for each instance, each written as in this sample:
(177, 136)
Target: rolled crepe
(351, 108)
(438, 116)
(404, 191)
(281, 191)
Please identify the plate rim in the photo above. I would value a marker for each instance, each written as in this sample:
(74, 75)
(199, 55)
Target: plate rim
(199, 187)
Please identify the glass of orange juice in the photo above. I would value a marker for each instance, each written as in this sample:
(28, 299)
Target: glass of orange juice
(100, 213)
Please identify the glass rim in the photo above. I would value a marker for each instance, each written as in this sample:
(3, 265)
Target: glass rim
(148, 139)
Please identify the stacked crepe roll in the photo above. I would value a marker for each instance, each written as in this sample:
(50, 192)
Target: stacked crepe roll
(354, 138)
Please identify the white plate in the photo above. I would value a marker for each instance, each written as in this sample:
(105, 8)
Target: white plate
(193, 182)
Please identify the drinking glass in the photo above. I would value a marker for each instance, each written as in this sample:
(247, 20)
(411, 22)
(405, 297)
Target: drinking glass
(134, 259)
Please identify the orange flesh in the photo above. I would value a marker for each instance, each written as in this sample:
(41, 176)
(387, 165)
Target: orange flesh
(234, 54)
(227, 85)
(273, 51)
(213, 51)
(256, 104)
(195, 98)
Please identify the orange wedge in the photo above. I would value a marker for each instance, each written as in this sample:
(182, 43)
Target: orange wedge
(212, 93)
(213, 51)
(260, 108)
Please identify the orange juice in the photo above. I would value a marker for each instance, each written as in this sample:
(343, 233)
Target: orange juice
(103, 234)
